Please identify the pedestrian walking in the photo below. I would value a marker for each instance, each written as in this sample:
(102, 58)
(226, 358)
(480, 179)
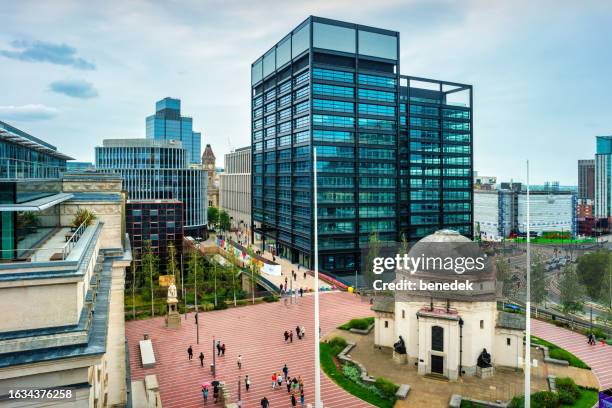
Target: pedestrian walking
(247, 382)
(190, 352)
(216, 393)
(218, 348)
(264, 403)
(285, 281)
(301, 384)
(205, 394)
(279, 379)
(223, 350)
(239, 361)
(304, 274)
(303, 331)
(301, 292)
(302, 399)
(293, 401)
(286, 370)
(273, 380)
(286, 334)
(202, 359)
(291, 336)
(288, 385)
(297, 331)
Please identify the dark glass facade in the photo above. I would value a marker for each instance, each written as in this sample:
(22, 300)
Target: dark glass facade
(158, 221)
(393, 156)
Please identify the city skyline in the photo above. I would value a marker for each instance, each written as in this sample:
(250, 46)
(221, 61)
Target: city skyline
(538, 101)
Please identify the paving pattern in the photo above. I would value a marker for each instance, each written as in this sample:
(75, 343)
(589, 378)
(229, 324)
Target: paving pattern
(256, 332)
(598, 357)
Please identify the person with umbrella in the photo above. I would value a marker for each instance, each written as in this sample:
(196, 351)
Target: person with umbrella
(205, 391)
(215, 385)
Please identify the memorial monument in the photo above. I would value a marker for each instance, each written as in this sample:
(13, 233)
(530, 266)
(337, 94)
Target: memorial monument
(173, 318)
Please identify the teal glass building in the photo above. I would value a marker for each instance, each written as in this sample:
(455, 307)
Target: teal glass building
(168, 124)
(394, 152)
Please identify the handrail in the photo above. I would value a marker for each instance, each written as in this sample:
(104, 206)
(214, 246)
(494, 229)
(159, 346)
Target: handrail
(74, 238)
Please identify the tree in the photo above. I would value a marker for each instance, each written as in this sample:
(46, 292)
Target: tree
(150, 271)
(374, 246)
(224, 221)
(213, 216)
(171, 263)
(504, 275)
(571, 292)
(539, 286)
(593, 270)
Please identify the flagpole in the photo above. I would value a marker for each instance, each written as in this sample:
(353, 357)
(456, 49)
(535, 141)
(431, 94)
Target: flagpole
(528, 307)
(318, 403)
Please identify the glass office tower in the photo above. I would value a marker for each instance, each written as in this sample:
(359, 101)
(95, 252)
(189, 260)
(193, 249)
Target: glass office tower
(157, 170)
(383, 141)
(168, 124)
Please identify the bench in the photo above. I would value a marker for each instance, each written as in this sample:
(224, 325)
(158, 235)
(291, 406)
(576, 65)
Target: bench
(402, 391)
(146, 354)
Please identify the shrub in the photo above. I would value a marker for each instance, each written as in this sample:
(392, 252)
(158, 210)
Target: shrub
(569, 392)
(361, 324)
(221, 304)
(545, 399)
(337, 344)
(270, 298)
(387, 388)
(599, 333)
(82, 215)
(351, 372)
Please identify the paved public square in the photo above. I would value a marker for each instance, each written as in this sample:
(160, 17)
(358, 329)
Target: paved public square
(256, 332)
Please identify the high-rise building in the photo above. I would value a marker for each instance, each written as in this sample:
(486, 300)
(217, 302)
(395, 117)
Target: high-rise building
(157, 170)
(502, 213)
(603, 177)
(235, 189)
(57, 269)
(394, 152)
(586, 179)
(168, 124)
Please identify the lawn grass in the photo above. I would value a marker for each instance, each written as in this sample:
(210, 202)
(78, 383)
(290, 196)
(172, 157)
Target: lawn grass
(559, 353)
(555, 241)
(331, 370)
(362, 324)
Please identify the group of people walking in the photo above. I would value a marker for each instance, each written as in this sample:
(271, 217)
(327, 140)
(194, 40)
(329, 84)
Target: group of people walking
(592, 340)
(300, 331)
(295, 386)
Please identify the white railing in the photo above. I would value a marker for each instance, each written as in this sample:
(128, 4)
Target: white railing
(74, 238)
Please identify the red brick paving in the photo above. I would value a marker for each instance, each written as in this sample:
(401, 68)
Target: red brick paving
(598, 357)
(256, 332)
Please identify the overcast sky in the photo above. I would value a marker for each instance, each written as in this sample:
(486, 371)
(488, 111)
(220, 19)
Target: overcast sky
(74, 73)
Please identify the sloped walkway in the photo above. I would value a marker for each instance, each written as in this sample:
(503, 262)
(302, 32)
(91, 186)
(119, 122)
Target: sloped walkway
(256, 332)
(598, 357)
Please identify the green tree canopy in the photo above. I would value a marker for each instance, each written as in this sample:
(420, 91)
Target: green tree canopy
(571, 292)
(593, 272)
(213, 216)
(539, 284)
(224, 221)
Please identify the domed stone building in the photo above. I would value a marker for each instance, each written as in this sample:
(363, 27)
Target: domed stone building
(449, 333)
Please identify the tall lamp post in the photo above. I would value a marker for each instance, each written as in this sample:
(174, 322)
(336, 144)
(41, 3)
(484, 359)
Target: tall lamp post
(528, 307)
(318, 403)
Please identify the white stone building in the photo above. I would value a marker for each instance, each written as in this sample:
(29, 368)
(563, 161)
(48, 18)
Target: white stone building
(62, 298)
(444, 334)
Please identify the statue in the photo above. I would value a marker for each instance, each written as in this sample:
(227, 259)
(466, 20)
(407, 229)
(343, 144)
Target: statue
(400, 346)
(172, 291)
(484, 359)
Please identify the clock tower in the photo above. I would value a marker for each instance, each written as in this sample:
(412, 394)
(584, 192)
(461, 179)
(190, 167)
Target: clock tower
(208, 164)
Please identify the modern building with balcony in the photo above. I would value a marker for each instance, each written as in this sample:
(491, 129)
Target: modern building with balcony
(61, 281)
(394, 152)
(168, 124)
(158, 170)
(235, 189)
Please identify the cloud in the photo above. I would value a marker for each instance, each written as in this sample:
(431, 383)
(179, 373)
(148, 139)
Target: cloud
(27, 113)
(41, 51)
(74, 88)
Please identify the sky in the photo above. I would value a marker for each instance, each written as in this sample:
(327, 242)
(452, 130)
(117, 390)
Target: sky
(74, 73)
